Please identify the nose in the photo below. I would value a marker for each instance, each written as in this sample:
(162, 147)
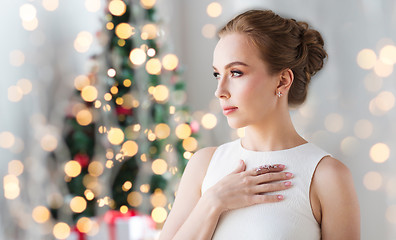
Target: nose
(222, 89)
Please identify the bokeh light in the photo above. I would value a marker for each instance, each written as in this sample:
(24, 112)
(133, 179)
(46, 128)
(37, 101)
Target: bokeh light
(84, 117)
(83, 41)
(72, 168)
(124, 30)
(27, 12)
(388, 54)
(158, 198)
(78, 204)
(383, 69)
(149, 31)
(49, 142)
(153, 66)
(15, 94)
(190, 144)
(159, 166)
(137, 56)
(81, 81)
(209, 121)
(115, 136)
(126, 186)
(95, 168)
(372, 180)
(7, 139)
(92, 5)
(15, 167)
(40, 214)
(161, 93)
(385, 101)
(30, 25)
(391, 214)
(89, 93)
(130, 148)
(379, 152)
(25, 85)
(162, 130)
(117, 7)
(17, 58)
(50, 5)
(209, 30)
(241, 132)
(134, 199)
(147, 4)
(11, 186)
(159, 214)
(334, 122)
(84, 225)
(183, 131)
(170, 61)
(61, 230)
(366, 58)
(214, 9)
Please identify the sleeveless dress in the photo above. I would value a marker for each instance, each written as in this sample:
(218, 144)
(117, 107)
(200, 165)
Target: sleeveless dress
(291, 218)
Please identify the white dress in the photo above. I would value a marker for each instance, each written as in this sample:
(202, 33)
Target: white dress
(289, 219)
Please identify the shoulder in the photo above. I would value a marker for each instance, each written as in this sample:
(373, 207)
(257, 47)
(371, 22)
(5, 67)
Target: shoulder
(331, 168)
(198, 163)
(339, 206)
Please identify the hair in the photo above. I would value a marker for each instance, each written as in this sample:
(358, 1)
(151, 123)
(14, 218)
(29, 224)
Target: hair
(283, 43)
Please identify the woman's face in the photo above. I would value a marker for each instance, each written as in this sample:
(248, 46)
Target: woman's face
(243, 82)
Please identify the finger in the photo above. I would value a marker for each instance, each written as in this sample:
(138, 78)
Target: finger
(256, 199)
(240, 168)
(272, 187)
(272, 177)
(266, 169)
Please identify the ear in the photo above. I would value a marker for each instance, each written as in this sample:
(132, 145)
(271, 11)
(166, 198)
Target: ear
(286, 78)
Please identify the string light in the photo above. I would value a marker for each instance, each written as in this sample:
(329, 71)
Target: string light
(117, 7)
(214, 9)
(366, 58)
(61, 230)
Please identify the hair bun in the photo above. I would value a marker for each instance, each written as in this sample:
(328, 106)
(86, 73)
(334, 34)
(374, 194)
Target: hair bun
(312, 49)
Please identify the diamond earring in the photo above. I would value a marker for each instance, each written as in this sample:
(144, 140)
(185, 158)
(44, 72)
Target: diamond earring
(279, 94)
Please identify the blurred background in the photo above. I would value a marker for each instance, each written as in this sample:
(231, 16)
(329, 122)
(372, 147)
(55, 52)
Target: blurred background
(102, 103)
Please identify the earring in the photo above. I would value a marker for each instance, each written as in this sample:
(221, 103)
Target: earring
(279, 94)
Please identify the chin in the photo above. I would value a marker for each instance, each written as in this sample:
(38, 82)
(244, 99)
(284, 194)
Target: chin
(235, 124)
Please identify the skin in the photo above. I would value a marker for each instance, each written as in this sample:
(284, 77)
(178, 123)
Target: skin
(245, 82)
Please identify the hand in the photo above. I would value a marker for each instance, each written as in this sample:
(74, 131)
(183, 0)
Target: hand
(245, 188)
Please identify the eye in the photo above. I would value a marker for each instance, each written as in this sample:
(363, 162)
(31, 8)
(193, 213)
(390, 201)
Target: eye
(216, 75)
(236, 73)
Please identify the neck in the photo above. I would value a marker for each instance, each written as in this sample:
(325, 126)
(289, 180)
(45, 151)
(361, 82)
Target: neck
(272, 134)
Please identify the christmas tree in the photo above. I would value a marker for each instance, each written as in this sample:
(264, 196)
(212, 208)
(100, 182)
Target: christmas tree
(128, 127)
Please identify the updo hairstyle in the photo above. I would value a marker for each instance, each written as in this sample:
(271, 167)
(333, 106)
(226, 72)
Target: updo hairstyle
(282, 43)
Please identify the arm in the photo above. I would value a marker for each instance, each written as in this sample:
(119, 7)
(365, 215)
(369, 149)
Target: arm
(189, 204)
(339, 208)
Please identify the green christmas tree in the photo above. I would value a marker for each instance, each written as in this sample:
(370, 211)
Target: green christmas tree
(128, 127)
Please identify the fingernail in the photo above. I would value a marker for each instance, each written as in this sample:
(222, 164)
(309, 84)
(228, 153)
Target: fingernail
(288, 183)
(289, 174)
(280, 197)
(281, 166)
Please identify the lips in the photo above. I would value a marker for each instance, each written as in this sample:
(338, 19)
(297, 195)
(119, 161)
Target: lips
(228, 110)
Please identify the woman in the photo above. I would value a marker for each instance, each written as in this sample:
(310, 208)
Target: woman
(263, 64)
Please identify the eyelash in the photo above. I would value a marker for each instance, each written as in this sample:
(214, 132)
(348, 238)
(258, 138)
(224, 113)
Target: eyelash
(216, 75)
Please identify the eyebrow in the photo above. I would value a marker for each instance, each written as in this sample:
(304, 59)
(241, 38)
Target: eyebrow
(233, 64)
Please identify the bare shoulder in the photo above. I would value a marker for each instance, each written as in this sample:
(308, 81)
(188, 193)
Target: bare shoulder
(339, 206)
(200, 160)
(330, 168)
(331, 177)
